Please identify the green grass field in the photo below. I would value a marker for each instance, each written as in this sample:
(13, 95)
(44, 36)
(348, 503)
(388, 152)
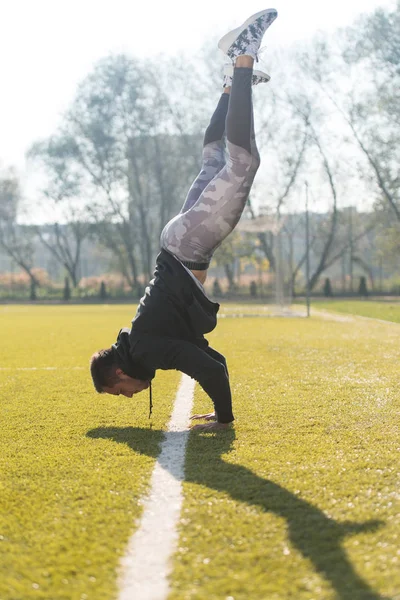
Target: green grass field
(387, 311)
(300, 500)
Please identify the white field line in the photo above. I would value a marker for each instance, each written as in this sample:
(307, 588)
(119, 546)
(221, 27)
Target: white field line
(350, 317)
(146, 565)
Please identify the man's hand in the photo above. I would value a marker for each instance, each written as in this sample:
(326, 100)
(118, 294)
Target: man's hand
(210, 426)
(207, 417)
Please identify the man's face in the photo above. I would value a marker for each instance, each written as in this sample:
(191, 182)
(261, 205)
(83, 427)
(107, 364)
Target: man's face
(126, 386)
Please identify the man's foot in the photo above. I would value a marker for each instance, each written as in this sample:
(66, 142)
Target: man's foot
(258, 76)
(246, 39)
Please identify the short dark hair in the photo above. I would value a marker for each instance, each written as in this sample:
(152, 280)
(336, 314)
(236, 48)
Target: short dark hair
(103, 369)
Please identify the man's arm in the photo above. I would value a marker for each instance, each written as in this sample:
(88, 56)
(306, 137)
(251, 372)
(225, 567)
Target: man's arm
(210, 416)
(209, 372)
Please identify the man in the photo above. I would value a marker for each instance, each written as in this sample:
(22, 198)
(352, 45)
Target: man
(175, 313)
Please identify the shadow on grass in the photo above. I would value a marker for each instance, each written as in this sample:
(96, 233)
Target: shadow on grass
(316, 536)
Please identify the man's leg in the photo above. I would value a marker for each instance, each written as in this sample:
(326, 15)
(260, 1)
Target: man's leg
(213, 159)
(198, 230)
(193, 235)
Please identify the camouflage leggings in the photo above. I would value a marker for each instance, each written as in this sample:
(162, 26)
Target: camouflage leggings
(218, 195)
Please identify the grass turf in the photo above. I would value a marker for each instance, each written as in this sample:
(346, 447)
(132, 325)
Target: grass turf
(69, 495)
(385, 310)
(299, 500)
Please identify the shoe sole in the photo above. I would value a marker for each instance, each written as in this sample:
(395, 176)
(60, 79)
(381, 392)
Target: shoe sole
(226, 42)
(228, 71)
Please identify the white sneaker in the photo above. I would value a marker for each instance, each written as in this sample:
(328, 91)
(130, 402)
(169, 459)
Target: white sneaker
(246, 39)
(258, 76)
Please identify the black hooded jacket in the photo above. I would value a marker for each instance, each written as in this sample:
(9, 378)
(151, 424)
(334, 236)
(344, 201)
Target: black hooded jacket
(168, 333)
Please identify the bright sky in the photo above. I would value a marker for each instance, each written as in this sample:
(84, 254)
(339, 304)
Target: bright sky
(48, 46)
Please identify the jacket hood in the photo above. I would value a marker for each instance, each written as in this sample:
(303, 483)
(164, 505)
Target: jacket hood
(127, 362)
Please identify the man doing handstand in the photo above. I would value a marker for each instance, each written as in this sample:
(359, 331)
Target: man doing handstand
(175, 313)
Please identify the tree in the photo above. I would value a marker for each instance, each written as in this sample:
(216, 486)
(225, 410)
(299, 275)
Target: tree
(64, 237)
(217, 292)
(128, 148)
(282, 137)
(67, 290)
(253, 289)
(362, 288)
(236, 245)
(126, 156)
(16, 240)
(317, 101)
(328, 288)
(103, 291)
(367, 67)
(388, 243)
